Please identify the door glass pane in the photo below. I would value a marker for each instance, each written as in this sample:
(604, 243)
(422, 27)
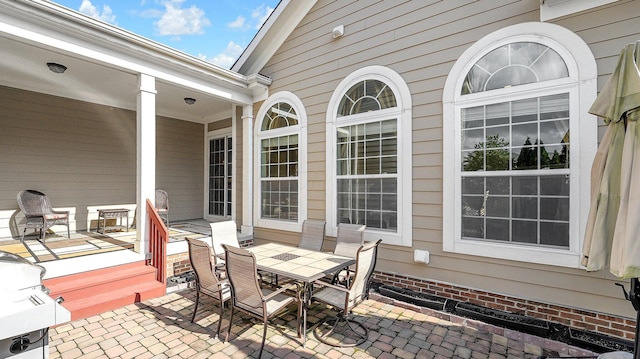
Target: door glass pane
(220, 180)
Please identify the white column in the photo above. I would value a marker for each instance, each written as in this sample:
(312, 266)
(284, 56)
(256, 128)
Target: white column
(247, 170)
(145, 156)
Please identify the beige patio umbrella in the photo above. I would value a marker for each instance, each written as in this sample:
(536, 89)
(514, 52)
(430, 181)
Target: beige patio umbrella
(612, 236)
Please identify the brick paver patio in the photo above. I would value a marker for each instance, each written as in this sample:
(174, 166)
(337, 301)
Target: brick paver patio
(161, 328)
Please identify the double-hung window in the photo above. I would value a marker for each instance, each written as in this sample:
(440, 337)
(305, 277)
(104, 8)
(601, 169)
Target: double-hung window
(369, 155)
(517, 148)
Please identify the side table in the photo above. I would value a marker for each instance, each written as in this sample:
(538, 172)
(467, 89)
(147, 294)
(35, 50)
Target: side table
(105, 214)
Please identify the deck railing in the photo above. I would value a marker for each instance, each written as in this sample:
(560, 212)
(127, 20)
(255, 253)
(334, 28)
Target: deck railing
(158, 239)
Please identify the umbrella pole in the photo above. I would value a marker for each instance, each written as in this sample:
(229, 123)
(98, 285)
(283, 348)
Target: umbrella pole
(634, 298)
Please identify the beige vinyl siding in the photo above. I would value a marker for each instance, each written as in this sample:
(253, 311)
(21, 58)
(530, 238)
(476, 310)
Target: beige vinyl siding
(421, 40)
(179, 169)
(83, 156)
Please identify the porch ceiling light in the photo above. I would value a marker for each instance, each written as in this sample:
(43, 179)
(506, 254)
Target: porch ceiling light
(189, 100)
(56, 68)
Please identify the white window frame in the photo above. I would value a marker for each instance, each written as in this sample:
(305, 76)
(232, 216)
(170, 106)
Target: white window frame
(403, 113)
(301, 130)
(582, 88)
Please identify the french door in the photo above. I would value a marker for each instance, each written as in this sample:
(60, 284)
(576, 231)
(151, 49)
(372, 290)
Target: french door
(220, 176)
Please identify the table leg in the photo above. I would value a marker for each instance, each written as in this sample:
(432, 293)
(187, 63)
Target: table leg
(306, 296)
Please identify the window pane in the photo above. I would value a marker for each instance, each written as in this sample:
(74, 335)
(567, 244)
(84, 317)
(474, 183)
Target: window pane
(525, 232)
(554, 234)
(472, 228)
(365, 96)
(512, 208)
(512, 65)
(278, 116)
(497, 229)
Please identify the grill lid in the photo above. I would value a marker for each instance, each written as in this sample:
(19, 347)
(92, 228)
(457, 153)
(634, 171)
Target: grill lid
(18, 273)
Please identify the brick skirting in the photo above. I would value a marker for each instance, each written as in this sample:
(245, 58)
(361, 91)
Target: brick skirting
(619, 327)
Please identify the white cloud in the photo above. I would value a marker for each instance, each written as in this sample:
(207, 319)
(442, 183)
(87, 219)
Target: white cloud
(227, 57)
(89, 9)
(238, 23)
(178, 21)
(261, 13)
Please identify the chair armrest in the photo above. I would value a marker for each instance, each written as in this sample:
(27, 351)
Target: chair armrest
(282, 289)
(332, 286)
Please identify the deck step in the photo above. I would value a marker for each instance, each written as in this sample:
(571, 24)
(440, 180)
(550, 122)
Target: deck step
(94, 292)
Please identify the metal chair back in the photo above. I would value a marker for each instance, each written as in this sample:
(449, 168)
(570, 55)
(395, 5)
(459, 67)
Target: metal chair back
(162, 205)
(349, 239)
(312, 234)
(207, 282)
(225, 232)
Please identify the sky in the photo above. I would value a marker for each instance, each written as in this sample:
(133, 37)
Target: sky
(216, 31)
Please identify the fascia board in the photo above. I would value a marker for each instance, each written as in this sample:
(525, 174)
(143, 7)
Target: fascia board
(272, 35)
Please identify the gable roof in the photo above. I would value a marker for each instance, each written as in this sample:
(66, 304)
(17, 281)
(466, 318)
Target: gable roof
(280, 24)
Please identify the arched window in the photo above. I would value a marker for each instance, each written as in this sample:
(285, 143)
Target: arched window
(281, 162)
(517, 145)
(369, 155)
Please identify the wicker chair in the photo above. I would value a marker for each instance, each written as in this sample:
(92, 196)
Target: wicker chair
(207, 281)
(39, 214)
(345, 299)
(349, 239)
(162, 205)
(312, 235)
(249, 297)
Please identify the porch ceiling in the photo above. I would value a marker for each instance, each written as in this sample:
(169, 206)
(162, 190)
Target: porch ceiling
(23, 66)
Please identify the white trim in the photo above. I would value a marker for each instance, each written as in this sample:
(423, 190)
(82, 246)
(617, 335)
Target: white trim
(301, 130)
(403, 113)
(551, 9)
(581, 86)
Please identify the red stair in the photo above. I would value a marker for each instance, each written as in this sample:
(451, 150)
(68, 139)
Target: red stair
(94, 292)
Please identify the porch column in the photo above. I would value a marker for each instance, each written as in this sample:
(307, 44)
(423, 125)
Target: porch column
(145, 156)
(247, 170)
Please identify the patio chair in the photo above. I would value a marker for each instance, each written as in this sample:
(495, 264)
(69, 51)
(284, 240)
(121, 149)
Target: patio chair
(349, 239)
(162, 205)
(207, 281)
(39, 214)
(312, 234)
(249, 297)
(345, 299)
(312, 237)
(225, 232)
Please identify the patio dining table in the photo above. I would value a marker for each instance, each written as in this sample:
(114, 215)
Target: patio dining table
(302, 265)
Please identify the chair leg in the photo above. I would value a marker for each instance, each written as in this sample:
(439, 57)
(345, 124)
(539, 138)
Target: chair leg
(220, 318)
(264, 338)
(68, 232)
(230, 322)
(351, 325)
(23, 233)
(195, 308)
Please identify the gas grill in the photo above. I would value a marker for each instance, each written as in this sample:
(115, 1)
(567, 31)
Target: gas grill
(26, 310)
